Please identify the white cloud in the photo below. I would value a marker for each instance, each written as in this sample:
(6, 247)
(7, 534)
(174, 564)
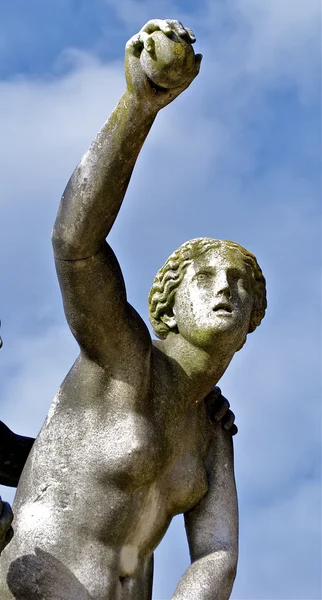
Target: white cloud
(37, 365)
(134, 14)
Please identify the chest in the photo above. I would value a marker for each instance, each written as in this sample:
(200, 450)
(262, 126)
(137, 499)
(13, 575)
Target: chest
(131, 440)
(134, 450)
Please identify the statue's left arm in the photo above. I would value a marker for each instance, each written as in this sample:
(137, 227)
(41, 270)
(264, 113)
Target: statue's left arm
(212, 529)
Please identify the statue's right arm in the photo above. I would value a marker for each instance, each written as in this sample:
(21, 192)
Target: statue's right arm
(90, 278)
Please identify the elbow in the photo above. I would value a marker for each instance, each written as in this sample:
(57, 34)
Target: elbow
(61, 241)
(226, 560)
(229, 560)
(69, 232)
(220, 568)
(73, 239)
(67, 244)
(223, 575)
(231, 568)
(228, 572)
(209, 577)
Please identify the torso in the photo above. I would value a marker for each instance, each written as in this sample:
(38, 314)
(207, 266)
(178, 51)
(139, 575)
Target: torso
(114, 462)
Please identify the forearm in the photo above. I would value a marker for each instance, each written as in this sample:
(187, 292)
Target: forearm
(212, 525)
(212, 528)
(98, 185)
(209, 578)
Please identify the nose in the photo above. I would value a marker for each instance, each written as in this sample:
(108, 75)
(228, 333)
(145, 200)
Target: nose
(221, 285)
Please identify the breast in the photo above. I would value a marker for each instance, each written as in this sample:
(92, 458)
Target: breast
(129, 451)
(185, 482)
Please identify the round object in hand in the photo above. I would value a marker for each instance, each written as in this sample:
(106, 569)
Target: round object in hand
(170, 62)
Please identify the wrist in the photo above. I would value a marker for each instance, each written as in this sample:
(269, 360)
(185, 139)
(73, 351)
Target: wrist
(139, 107)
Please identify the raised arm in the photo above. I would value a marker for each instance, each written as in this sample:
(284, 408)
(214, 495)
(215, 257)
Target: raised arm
(93, 289)
(212, 529)
(97, 187)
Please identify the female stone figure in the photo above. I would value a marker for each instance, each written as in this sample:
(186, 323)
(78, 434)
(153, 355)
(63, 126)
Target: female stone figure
(128, 442)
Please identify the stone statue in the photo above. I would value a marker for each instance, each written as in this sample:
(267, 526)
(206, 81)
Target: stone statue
(137, 433)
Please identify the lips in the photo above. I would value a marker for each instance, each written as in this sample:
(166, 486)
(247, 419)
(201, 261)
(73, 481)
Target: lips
(223, 306)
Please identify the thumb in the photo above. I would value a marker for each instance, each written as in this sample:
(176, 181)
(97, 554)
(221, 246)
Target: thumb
(198, 58)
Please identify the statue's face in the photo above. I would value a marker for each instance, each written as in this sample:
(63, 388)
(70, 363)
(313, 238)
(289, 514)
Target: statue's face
(215, 297)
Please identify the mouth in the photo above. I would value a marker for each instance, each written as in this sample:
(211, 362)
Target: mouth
(223, 307)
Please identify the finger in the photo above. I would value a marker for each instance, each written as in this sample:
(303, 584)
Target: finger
(213, 396)
(234, 429)
(177, 27)
(134, 43)
(222, 409)
(211, 401)
(228, 420)
(191, 35)
(147, 41)
(156, 25)
(217, 405)
(216, 391)
(198, 59)
(184, 32)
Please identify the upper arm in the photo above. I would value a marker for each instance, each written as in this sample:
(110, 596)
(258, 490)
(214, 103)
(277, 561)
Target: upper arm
(212, 525)
(96, 307)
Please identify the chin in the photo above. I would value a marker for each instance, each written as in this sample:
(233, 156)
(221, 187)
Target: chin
(225, 333)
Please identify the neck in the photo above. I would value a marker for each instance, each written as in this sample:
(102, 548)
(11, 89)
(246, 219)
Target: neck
(197, 370)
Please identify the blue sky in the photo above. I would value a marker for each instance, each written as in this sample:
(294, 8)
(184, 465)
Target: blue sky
(236, 157)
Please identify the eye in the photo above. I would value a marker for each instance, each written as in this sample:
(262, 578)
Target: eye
(239, 276)
(202, 276)
(235, 274)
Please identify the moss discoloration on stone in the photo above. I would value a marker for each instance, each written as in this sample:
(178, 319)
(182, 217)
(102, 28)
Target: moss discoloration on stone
(170, 61)
(169, 277)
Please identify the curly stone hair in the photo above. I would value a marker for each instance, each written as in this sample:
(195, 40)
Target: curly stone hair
(169, 277)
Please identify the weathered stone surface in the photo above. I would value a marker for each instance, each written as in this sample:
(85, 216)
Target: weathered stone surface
(137, 433)
(169, 61)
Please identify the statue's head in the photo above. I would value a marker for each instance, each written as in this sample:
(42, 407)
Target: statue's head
(208, 285)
